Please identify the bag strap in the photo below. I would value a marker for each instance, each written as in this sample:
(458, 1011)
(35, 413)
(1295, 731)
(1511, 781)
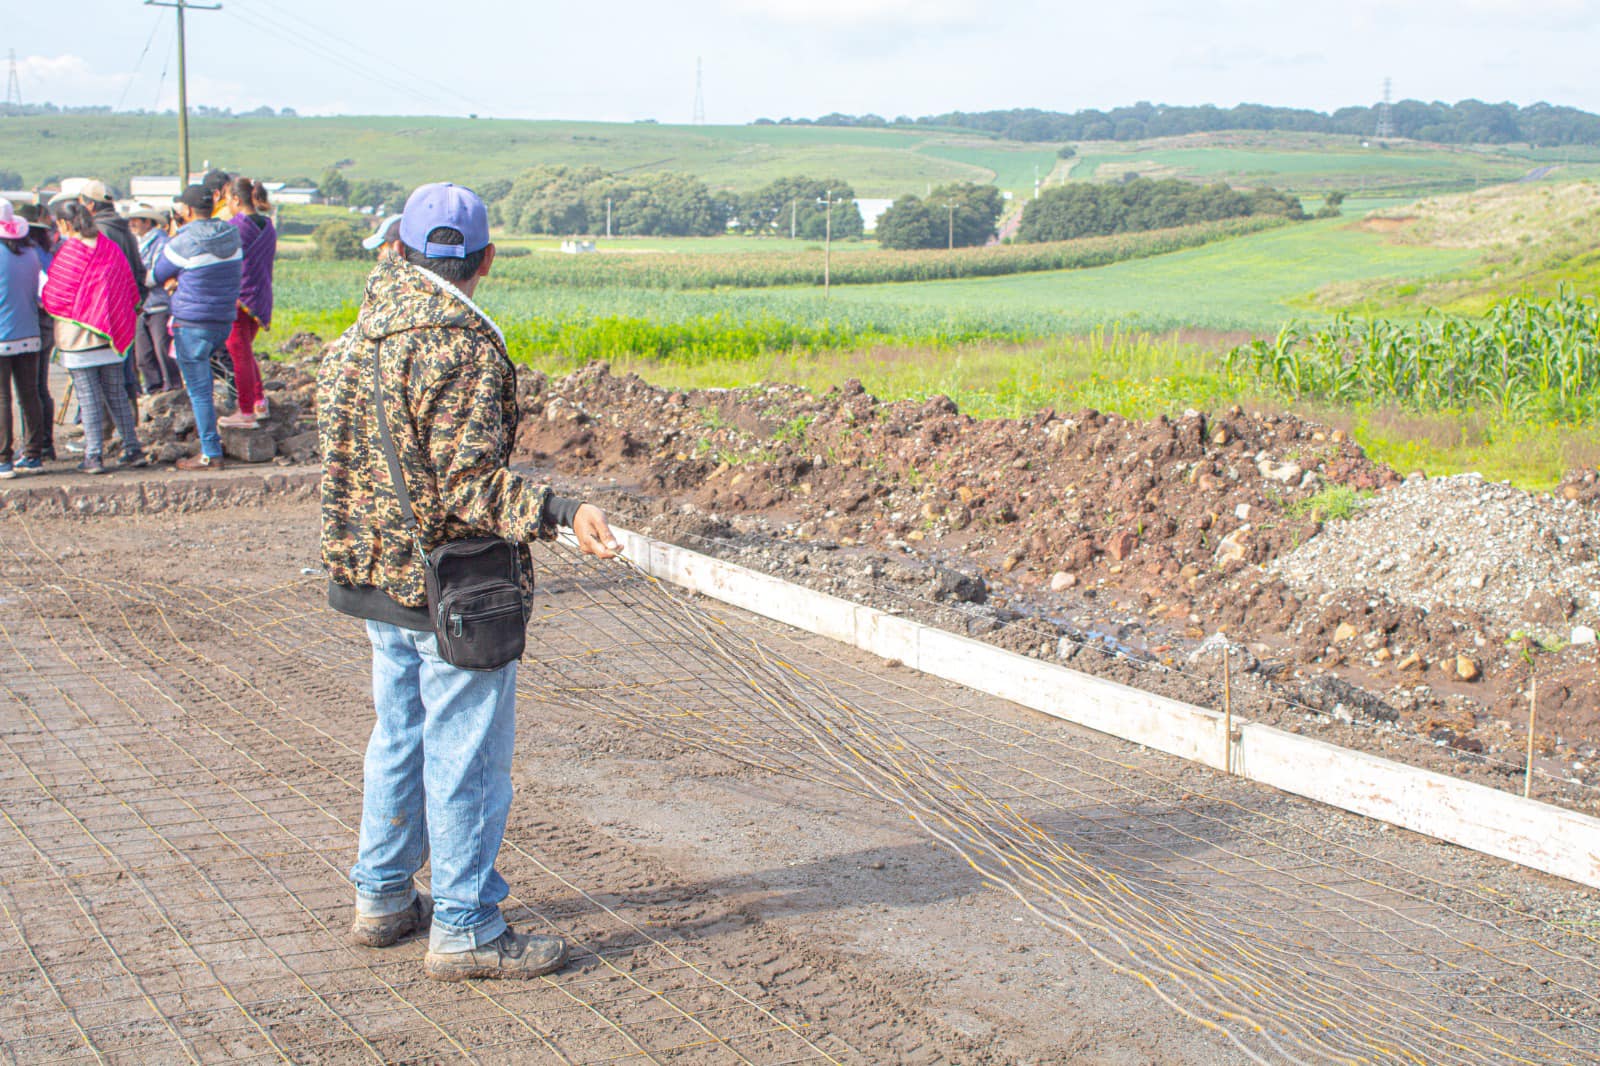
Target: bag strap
(396, 476)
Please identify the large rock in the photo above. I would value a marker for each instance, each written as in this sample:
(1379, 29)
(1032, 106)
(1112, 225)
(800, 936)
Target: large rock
(248, 445)
(300, 448)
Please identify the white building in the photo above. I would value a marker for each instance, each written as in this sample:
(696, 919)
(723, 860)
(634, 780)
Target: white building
(154, 189)
(872, 209)
(292, 194)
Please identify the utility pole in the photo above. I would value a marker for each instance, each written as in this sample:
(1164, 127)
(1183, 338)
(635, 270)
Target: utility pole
(794, 216)
(1386, 111)
(608, 218)
(827, 202)
(183, 81)
(950, 209)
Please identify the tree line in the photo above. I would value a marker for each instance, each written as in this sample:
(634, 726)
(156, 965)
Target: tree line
(1464, 122)
(1068, 212)
(569, 201)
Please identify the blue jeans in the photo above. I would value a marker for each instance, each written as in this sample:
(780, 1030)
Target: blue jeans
(437, 779)
(192, 347)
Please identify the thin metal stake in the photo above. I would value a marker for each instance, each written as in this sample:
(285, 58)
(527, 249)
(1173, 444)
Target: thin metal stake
(1533, 704)
(1227, 708)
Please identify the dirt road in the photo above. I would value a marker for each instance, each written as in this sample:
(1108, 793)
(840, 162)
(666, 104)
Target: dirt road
(181, 734)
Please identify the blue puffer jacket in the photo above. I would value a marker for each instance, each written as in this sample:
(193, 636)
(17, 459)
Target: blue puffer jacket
(206, 259)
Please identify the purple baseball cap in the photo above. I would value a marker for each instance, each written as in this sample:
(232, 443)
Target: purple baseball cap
(444, 204)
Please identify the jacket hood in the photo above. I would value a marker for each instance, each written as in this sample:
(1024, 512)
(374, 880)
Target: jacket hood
(210, 236)
(403, 297)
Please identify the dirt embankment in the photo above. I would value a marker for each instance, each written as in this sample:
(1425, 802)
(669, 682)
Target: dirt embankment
(1139, 539)
(1137, 550)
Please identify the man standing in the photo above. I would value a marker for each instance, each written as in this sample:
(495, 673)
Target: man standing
(202, 266)
(437, 783)
(152, 343)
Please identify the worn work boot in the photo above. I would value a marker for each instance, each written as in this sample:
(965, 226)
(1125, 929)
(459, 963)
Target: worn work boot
(511, 954)
(382, 931)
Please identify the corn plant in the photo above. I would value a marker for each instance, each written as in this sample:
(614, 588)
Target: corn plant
(1528, 356)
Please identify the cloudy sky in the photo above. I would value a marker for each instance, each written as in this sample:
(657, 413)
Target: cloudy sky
(628, 59)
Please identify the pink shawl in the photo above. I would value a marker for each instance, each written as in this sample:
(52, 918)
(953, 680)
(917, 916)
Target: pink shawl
(94, 288)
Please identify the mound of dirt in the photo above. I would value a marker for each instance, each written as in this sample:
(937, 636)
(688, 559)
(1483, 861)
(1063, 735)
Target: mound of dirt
(1119, 545)
(1089, 497)
(1138, 538)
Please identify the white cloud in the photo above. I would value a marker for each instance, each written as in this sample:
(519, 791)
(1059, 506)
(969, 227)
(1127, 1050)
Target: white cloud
(67, 80)
(71, 81)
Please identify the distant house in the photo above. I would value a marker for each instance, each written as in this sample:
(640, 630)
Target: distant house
(293, 194)
(154, 189)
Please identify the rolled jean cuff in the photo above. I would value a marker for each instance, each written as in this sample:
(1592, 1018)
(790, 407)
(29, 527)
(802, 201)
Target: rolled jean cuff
(383, 904)
(448, 938)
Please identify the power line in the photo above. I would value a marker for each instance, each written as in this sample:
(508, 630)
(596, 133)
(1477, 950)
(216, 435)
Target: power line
(138, 64)
(345, 52)
(180, 6)
(155, 105)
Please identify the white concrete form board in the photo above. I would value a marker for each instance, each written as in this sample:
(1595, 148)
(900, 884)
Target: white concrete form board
(1534, 834)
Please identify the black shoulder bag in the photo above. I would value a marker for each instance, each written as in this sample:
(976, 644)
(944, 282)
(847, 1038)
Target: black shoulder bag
(474, 585)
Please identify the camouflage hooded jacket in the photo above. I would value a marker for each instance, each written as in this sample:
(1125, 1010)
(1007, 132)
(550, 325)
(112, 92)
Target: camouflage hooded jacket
(449, 392)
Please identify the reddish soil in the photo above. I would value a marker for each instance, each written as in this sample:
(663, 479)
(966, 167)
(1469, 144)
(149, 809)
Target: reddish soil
(1144, 537)
(1068, 533)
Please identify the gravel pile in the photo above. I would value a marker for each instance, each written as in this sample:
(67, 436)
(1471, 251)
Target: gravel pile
(1525, 561)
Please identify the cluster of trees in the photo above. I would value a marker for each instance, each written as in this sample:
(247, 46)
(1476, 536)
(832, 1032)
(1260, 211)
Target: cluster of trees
(1464, 122)
(796, 207)
(961, 215)
(198, 111)
(571, 200)
(1068, 212)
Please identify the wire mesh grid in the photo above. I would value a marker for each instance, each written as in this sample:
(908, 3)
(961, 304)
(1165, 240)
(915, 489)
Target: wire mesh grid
(1265, 918)
(171, 838)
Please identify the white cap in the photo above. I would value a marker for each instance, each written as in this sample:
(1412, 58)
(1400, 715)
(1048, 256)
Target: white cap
(388, 230)
(12, 227)
(88, 188)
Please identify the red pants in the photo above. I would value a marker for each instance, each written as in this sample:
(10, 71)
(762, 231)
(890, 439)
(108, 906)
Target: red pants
(246, 374)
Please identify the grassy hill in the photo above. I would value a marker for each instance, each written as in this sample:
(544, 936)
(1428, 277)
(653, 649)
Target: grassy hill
(412, 150)
(1524, 238)
(1315, 164)
(878, 162)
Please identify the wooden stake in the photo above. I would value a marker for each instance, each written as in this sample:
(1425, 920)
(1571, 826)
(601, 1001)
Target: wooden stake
(1533, 705)
(1227, 707)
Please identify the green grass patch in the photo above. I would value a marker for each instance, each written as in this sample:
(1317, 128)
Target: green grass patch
(1336, 503)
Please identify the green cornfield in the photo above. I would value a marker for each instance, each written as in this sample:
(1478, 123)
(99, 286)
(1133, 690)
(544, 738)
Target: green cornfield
(756, 270)
(1528, 357)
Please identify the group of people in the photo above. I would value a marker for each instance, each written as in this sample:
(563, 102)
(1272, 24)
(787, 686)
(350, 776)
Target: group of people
(417, 416)
(131, 305)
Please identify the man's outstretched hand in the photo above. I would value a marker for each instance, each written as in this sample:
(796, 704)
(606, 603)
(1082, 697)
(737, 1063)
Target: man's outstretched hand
(594, 536)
